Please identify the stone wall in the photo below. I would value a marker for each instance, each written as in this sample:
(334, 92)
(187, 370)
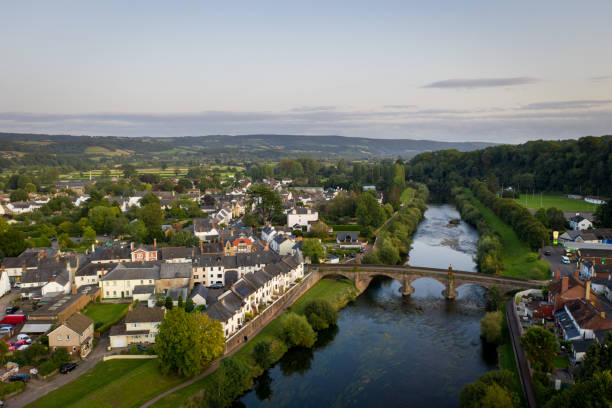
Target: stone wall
(272, 312)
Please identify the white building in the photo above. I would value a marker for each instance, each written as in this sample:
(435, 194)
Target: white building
(302, 218)
(141, 326)
(578, 222)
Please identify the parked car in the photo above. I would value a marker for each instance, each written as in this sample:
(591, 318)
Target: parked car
(5, 330)
(11, 309)
(19, 377)
(565, 259)
(21, 342)
(216, 286)
(23, 336)
(66, 368)
(547, 253)
(141, 347)
(23, 347)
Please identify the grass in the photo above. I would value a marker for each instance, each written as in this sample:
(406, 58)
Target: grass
(507, 360)
(338, 291)
(407, 195)
(519, 260)
(106, 314)
(561, 362)
(536, 201)
(115, 383)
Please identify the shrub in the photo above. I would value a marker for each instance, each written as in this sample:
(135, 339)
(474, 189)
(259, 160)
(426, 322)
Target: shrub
(320, 314)
(47, 367)
(262, 354)
(491, 327)
(295, 331)
(11, 387)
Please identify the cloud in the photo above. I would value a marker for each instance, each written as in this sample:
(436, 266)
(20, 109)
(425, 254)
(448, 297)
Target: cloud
(481, 82)
(399, 106)
(600, 78)
(313, 108)
(579, 104)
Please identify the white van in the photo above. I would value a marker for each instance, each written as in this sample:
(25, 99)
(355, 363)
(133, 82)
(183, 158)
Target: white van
(565, 259)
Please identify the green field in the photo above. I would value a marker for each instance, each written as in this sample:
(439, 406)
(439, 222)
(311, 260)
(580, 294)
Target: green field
(554, 200)
(338, 292)
(106, 314)
(519, 260)
(115, 383)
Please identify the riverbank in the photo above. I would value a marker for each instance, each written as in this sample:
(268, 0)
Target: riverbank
(339, 292)
(519, 260)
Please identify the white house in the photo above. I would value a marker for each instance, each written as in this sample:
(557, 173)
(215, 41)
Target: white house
(224, 216)
(124, 278)
(578, 222)
(268, 233)
(302, 218)
(282, 245)
(205, 229)
(141, 326)
(595, 200)
(5, 283)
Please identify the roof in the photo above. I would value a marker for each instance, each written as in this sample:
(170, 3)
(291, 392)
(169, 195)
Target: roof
(143, 289)
(587, 316)
(200, 290)
(45, 275)
(219, 312)
(175, 293)
(145, 314)
(176, 252)
(133, 271)
(202, 224)
(577, 218)
(111, 253)
(92, 269)
(175, 271)
(568, 325)
(581, 346)
(79, 323)
(244, 287)
(56, 306)
(347, 236)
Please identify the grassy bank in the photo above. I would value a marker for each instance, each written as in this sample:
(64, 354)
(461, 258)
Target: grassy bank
(339, 292)
(115, 383)
(519, 260)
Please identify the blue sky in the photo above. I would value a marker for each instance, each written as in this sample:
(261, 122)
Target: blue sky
(490, 71)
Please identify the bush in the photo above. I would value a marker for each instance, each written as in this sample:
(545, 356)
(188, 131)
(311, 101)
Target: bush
(47, 367)
(263, 355)
(11, 387)
(295, 331)
(491, 327)
(320, 314)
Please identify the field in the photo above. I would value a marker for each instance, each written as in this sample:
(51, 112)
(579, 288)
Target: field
(519, 260)
(106, 314)
(115, 383)
(223, 171)
(554, 200)
(338, 292)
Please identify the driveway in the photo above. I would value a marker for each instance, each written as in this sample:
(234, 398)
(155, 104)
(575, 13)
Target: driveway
(37, 388)
(6, 300)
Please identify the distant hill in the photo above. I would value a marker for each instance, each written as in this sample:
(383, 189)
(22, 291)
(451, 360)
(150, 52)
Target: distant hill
(249, 147)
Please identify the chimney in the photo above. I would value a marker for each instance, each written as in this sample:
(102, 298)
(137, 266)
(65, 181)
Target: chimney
(564, 284)
(132, 245)
(267, 248)
(102, 272)
(23, 267)
(577, 274)
(558, 274)
(587, 295)
(603, 315)
(201, 246)
(155, 242)
(201, 229)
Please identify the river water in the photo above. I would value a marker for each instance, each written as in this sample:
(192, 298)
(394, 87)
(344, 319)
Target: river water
(388, 350)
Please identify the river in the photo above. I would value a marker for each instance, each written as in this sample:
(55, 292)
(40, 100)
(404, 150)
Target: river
(388, 350)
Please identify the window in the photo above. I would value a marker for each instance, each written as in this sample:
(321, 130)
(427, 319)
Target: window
(195, 276)
(67, 337)
(134, 324)
(114, 293)
(141, 281)
(128, 283)
(73, 348)
(127, 293)
(59, 338)
(219, 275)
(150, 281)
(107, 293)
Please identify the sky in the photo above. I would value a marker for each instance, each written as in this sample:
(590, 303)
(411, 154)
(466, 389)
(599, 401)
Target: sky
(502, 72)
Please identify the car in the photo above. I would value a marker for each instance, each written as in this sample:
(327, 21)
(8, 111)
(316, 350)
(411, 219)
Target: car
(141, 347)
(565, 260)
(216, 286)
(23, 347)
(19, 377)
(547, 253)
(23, 336)
(10, 326)
(66, 368)
(5, 330)
(11, 309)
(21, 342)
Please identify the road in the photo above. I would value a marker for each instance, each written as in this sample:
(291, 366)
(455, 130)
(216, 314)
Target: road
(554, 260)
(37, 388)
(6, 300)
(519, 354)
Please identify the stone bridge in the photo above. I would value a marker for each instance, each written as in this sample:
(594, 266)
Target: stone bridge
(363, 274)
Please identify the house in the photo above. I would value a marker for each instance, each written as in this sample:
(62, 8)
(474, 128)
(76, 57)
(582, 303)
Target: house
(61, 308)
(578, 222)
(89, 274)
(177, 254)
(348, 239)
(140, 326)
(224, 216)
(173, 275)
(5, 283)
(580, 347)
(568, 288)
(302, 218)
(112, 254)
(144, 253)
(44, 281)
(580, 319)
(238, 246)
(77, 186)
(205, 229)
(595, 200)
(23, 207)
(282, 245)
(198, 295)
(121, 281)
(75, 335)
(268, 233)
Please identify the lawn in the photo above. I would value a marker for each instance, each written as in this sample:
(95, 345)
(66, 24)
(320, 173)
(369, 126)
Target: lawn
(519, 260)
(536, 201)
(106, 314)
(561, 362)
(338, 291)
(507, 360)
(115, 383)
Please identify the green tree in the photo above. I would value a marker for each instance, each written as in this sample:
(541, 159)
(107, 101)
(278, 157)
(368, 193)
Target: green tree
(295, 331)
(388, 253)
(153, 217)
(249, 220)
(319, 230)
(540, 347)
(19, 195)
(3, 351)
(320, 314)
(596, 392)
(184, 238)
(180, 303)
(494, 296)
(368, 211)
(597, 358)
(89, 235)
(12, 242)
(101, 218)
(491, 327)
(187, 342)
(129, 171)
(138, 231)
(603, 215)
(268, 203)
(148, 198)
(168, 303)
(493, 389)
(262, 354)
(189, 305)
(311, 247)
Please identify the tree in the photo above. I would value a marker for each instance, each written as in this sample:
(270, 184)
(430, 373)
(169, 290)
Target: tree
(494, 389)
(101, 218)
(249, 220)
(320, 314)
(262, 354)
(319, 230)
(540, 346)
(180, 303)
(129, 171)
(12, 242)
(19, 195)
(368, 211)
(3, 351)
(595, 392)
(189, 305)
(168, 303)
(491, 327)
(152, 216)
(138, 231)
(187, 342)
(603, 215)
(268, 203)
(311, 247)
(148, 198)
(184, 238)
(556, 219)
(295, 331)
(89, 235)
(494, 296)
(388, 253)
(598, 358)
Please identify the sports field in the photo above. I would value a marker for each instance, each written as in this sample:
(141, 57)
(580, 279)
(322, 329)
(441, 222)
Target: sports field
(554, 200)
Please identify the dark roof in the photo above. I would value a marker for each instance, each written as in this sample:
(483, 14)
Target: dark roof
(347, 236)
(581, 346)
(176, 252)
(577, 218)
(143, 289)
(244, 287)
(175, 270)
(133, 270)
(45, 275)
(230, 300)
(219, 312)
(57, 306)
(231, 277)
(145, 314)
(111, 253)
(175, 293)
(199, 290)
(79, 323)
(92, 269)
(202, 224)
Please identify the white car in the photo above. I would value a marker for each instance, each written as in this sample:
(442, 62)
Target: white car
(23, 347)
(23, 336)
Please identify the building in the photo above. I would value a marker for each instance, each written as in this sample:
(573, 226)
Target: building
(75, 335)
(140, 327)
(348, 239)
(578, 222)
(144, 253)
(240, 245)
(172, 276)
(595, 200)
(282, 245)
(61, 308)
(205, 229)
(90, 273)
(125, 277)
(302, 218)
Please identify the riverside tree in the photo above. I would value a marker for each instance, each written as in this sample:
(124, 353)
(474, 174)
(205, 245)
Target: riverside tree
(491, 327)
(540, 346)
(296, 331)
(187, 342)
(312, 248)
(320, 314)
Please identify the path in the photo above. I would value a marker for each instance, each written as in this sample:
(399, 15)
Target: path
(39, 388)
(523, 367)
(216, 363)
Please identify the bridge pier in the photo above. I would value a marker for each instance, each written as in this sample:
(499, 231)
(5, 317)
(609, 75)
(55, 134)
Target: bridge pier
(406, 289)
(450, 293)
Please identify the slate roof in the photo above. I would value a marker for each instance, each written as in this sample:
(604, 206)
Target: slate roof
(79, 323)
(44, 275)
(143, 289)
(176, 252)
(175, 293)
(145, 314)
(111, 253)
(581, 346)
(199, 290)
(91, 269)
(133, 270)
(175, 270)
(219, 312)
(202, 224)
(348, 236)
(244, 287)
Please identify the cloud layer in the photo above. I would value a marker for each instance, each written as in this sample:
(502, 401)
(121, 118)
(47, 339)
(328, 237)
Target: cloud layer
(481, 82)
